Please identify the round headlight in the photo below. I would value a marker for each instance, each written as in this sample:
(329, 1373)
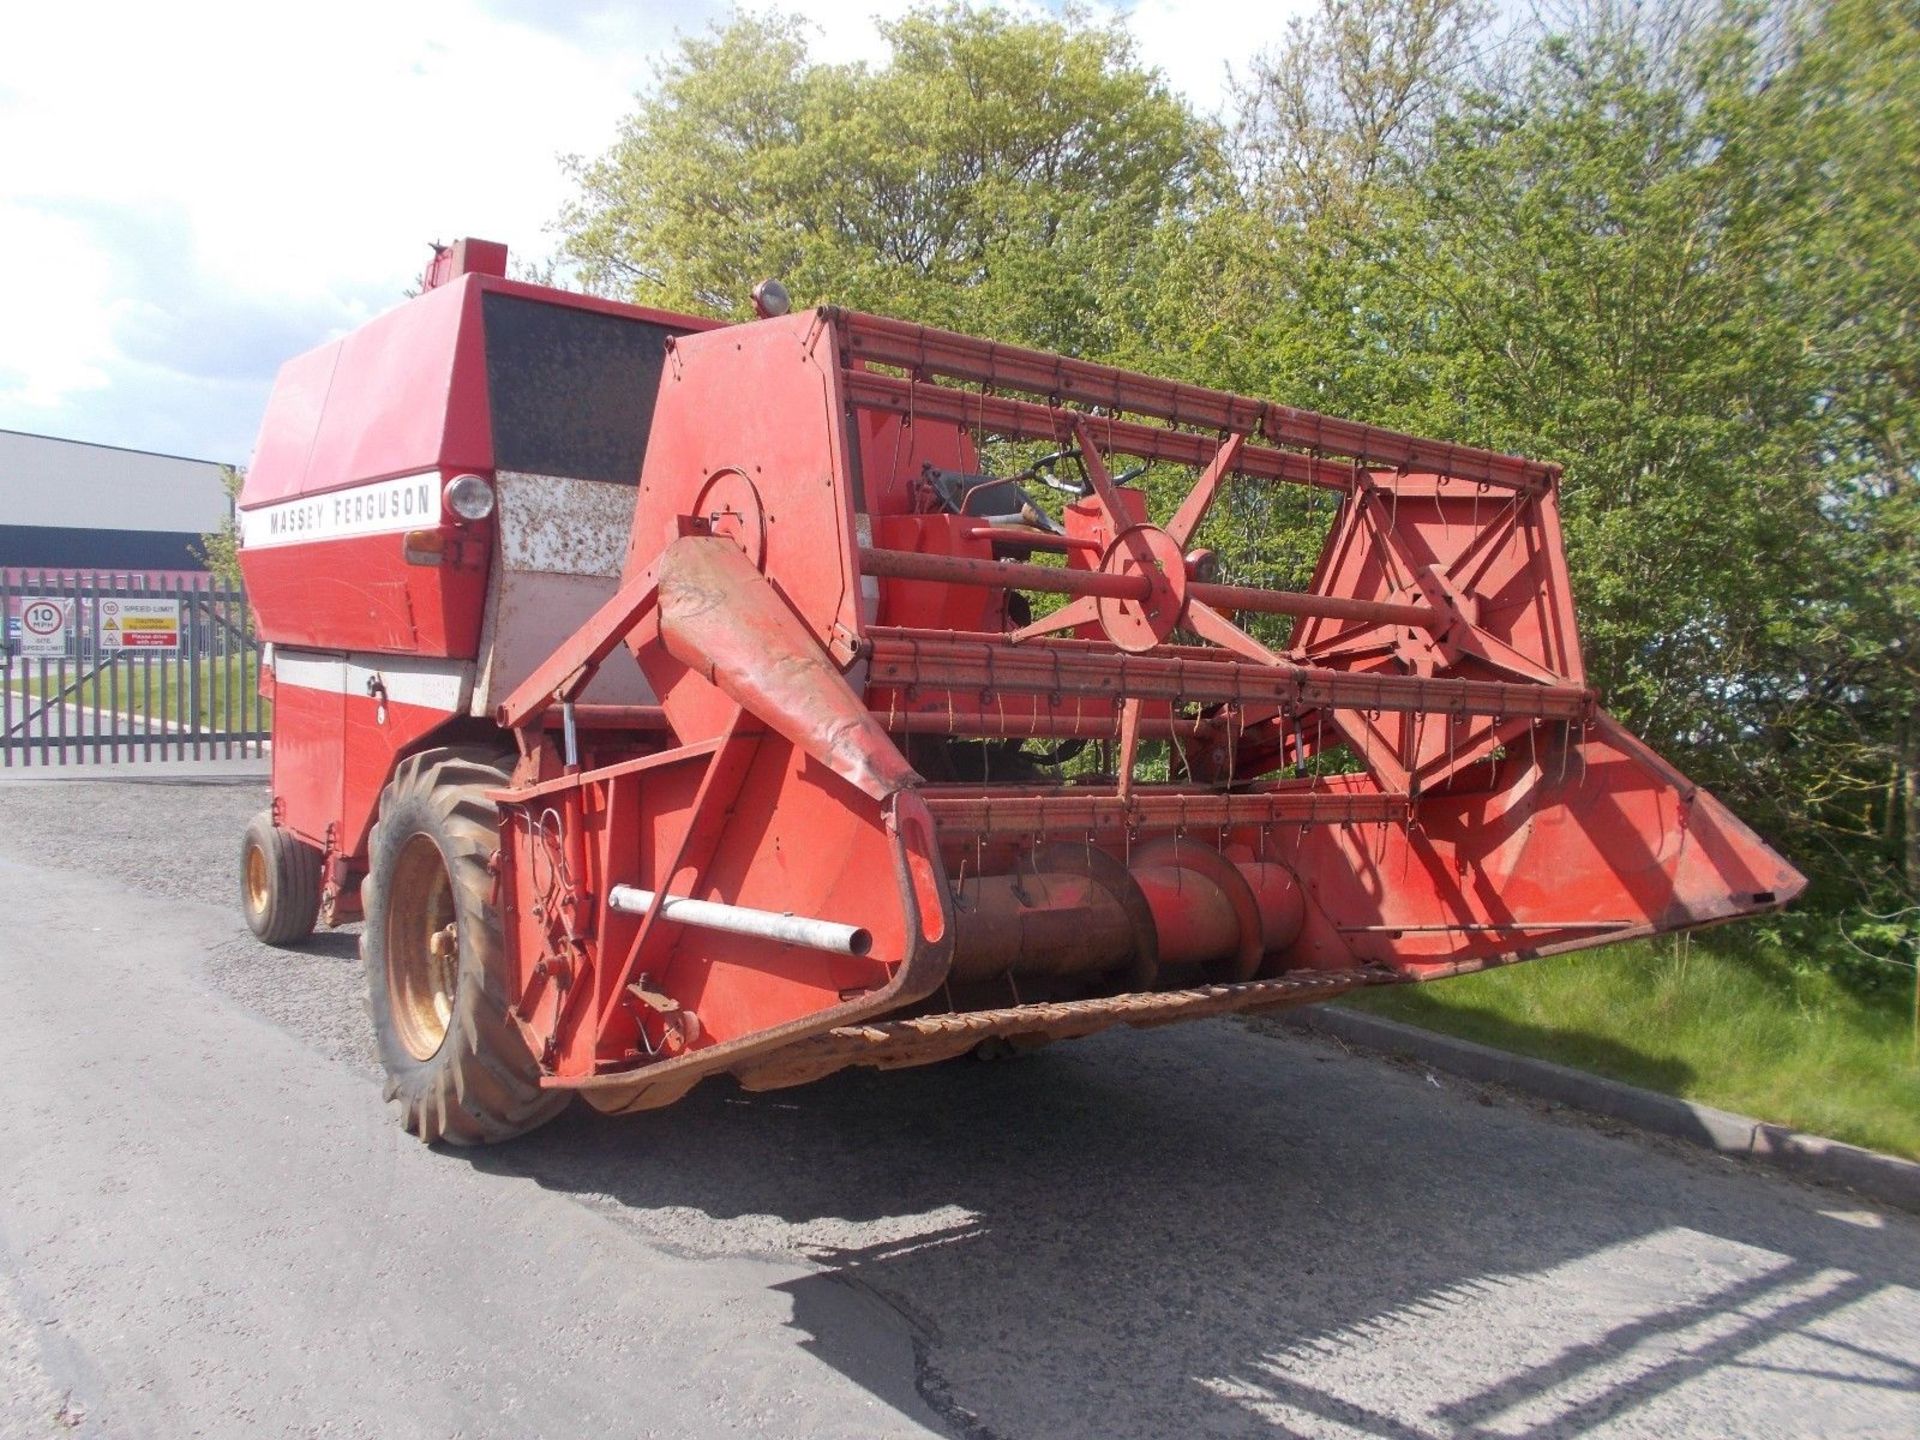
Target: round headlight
(469, 497)
(770, 298)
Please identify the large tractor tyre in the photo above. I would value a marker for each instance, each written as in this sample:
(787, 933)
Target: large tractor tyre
(436, 962)
(279, 883)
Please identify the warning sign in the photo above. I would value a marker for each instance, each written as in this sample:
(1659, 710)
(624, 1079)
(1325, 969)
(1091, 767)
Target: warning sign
(143, 625)
(43, 628)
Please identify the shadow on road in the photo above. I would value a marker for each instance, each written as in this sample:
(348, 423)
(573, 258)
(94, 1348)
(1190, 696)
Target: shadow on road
(1214, 1232)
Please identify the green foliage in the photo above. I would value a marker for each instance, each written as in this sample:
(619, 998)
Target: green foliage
(1673, 272)
(1673, 246)
(223, 692)
(990, 177)
(1719, 1021)
(220, 549)
(1589, 260)
(1846, 125)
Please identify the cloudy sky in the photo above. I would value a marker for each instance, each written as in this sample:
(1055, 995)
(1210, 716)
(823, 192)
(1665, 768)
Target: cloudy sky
(192, 192)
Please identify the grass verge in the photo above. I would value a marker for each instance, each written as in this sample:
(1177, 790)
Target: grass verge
(222, 692)
(1719, 1023)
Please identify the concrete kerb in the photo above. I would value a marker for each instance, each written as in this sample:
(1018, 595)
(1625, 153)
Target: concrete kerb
(1885, 1178)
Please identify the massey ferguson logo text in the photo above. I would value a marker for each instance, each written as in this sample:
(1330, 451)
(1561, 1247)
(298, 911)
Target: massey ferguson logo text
(389, 505)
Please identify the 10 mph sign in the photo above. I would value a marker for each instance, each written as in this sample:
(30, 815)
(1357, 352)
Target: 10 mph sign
(43, 629)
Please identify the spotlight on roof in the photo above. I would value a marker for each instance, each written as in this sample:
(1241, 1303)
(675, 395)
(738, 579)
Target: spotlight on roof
(770, 298)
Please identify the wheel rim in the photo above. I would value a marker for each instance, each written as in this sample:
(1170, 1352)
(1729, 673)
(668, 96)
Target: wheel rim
(423, 950)
(257, 883)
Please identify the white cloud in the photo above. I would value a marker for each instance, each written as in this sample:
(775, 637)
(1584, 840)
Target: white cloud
(190, 192)
(57, 338)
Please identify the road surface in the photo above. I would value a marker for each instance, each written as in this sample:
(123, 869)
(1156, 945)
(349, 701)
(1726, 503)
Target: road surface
(209, 1226)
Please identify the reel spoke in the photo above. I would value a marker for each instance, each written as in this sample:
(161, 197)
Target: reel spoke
(1210, 624)
(1083, 611)
(1194, 508)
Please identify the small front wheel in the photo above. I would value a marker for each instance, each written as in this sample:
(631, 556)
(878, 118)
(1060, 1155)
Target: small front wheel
(279, 882)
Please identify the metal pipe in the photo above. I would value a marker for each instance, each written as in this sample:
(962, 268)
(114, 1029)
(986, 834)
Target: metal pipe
(1000, 574)
(1333, 607)
(923, 350)
(1031, 539)
(742, 920)
(1031, 420)
(1007, 575)
(1033, 726)
(1066, 645)
(1052, 668)
(1071, 810)
(612, 717)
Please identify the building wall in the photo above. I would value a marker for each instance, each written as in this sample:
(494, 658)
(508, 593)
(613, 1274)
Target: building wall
(69, 505)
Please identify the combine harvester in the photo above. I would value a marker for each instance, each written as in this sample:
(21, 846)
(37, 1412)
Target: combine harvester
(670, 700)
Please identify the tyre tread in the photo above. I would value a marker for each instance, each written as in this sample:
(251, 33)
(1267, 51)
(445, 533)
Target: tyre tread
(483, 1085)
(293, 883)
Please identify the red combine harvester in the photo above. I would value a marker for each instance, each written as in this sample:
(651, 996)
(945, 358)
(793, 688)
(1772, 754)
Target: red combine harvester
(670, 699)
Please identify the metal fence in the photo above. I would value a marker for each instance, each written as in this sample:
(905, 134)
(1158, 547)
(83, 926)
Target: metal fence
(103, 667)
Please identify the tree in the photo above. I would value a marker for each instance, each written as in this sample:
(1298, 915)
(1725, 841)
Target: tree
(1356, 91)
(1675, 252)
(220, 549)
(1847, 122)
(1672, 244)
(994, 174)
(1673, 247)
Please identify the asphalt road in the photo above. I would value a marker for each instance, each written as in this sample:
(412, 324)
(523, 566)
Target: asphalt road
(208, 1225)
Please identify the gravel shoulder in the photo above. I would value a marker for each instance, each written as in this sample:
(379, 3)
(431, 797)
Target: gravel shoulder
(1201, 1230)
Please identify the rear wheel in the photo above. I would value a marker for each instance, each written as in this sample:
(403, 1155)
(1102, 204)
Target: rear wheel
(279, 882)
(436, 961)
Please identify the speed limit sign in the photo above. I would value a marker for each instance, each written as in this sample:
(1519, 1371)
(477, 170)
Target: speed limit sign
(43, 628)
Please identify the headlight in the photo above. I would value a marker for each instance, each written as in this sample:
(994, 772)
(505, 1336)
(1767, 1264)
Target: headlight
(770, 298)
(469, 497)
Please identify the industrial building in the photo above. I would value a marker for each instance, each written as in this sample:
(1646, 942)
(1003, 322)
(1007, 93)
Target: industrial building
(67, 505)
